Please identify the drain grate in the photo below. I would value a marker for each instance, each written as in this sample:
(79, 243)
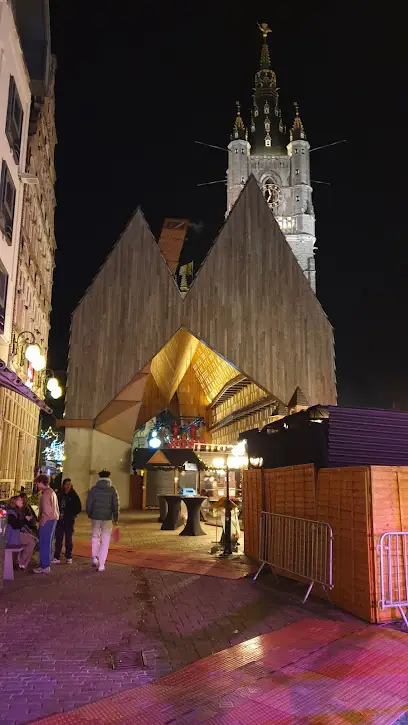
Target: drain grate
(126, 660)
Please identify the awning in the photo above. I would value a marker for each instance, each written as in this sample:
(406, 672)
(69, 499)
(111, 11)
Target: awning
(11, 381)
(164, 458)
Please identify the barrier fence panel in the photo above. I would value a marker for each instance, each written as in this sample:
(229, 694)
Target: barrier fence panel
(298, 546)
(393, 551)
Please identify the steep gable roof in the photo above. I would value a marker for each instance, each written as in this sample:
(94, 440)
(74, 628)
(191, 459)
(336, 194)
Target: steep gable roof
(249, 302)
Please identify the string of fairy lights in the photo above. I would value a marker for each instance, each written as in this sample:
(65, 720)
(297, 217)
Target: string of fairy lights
(55, 450)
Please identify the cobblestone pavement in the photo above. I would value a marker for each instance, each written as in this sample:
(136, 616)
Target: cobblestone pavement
(61, 633)
(142, 530)
(312, 672)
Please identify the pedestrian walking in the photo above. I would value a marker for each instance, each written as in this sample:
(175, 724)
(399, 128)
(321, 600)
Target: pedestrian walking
(69, 507)
(17, 533)
(102, 507)
(48, 517)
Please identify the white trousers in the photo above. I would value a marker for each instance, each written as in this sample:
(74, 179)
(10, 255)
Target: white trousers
(101, 536)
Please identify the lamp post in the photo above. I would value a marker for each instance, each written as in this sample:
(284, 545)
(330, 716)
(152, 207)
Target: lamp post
(237, 459)
(31, 351)
(227, 532)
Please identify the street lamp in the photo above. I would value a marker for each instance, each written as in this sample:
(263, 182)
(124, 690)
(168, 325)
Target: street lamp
(53, 385)
(237, 459)
(256, 462)
(32, 351)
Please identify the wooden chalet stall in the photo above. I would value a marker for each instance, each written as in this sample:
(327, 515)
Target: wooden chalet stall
(249, 332)
(358, 500)
(164, 472)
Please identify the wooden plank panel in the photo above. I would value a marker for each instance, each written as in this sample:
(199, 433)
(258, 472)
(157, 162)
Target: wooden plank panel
(260, 312)
(342, 501)
(389, 492)
(128, 314)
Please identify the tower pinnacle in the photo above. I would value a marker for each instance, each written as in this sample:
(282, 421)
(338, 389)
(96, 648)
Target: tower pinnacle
(267, 129)
(239, 130)
(297, 132)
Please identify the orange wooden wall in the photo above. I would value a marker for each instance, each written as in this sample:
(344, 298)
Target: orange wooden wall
(359, 503)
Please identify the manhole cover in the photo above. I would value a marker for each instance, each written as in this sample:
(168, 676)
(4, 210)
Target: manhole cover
(125, 660)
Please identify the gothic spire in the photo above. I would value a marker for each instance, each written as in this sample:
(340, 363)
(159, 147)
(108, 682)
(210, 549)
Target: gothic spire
(267, 127)
(297, 132)
(239, 131)
(265, 78)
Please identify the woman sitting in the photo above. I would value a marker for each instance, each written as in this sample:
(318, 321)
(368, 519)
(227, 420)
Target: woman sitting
(29, 515)
(17, 533)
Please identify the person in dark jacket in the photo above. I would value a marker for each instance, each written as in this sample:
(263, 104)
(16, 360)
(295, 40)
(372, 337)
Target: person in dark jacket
(29, 514)
(102, 507)
(69, 506)
(56, 480)
(17, 533)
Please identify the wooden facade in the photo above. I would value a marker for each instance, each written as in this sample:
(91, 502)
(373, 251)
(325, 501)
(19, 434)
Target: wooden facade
(359, 502)
(250, 303)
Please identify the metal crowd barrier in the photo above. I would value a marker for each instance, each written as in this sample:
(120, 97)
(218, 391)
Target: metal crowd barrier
(297, 546)
(393, 551)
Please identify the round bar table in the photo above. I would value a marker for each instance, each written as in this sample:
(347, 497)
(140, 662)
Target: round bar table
(192, 527)
(163, 508)
(173, 516)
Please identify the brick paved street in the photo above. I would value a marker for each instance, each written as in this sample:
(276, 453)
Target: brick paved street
(60, 632)
(142, 530)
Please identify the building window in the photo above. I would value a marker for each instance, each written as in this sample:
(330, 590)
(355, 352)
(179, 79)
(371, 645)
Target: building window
(296, 151)
(303, 151)
(297, 198)
(267, 142)
(14, 120)
(296, 172)
(236, 151)
(3, 296)
(7, 199)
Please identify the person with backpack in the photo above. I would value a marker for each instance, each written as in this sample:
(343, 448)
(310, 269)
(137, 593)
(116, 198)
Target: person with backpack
(69, 506)
(102, 507)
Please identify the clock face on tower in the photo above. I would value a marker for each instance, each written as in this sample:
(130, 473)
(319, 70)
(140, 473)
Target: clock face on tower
(272, 193)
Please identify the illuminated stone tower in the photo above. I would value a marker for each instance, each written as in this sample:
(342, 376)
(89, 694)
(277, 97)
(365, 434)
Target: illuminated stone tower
(279, 161)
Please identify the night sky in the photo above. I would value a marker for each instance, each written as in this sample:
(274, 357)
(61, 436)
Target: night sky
(135, 89)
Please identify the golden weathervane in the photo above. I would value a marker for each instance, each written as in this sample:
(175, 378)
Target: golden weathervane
(265, 29)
